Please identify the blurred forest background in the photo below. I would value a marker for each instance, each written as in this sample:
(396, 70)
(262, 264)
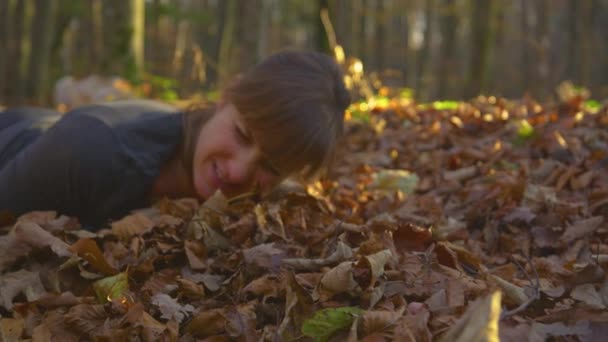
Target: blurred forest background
(169, 49)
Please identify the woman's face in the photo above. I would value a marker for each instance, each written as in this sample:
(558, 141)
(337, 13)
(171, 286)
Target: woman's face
(227, 157)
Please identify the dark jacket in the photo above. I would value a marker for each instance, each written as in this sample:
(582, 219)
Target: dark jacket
(95, 162)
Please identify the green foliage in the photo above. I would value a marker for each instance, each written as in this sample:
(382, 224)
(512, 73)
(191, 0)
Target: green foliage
(360, 112)
(158, 87)
(327, 322)
(592, 106)
(446, 105)
(406, 93)
(525, 132)
(110, 288)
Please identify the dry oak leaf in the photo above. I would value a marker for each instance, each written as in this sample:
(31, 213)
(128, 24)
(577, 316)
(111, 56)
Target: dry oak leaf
(35, 236)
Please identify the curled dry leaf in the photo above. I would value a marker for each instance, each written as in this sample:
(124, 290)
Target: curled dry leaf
(370, 267)
(343, 252)
(457, 257)
(339, 279)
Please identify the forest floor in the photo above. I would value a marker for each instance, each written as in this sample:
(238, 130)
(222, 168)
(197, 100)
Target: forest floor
(468, 221)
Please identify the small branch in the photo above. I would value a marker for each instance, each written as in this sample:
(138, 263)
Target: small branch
(535, 284)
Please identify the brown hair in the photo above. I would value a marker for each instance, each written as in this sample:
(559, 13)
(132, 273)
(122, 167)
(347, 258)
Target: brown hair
(293, 103)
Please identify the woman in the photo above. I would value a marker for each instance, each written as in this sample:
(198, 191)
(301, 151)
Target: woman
(98, 162)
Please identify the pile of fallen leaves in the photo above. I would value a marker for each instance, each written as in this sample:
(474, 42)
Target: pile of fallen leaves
(479, 221)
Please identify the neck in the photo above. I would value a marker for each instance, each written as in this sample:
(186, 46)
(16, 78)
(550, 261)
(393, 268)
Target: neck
(173, 181)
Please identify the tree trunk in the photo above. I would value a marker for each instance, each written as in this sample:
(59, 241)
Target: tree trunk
(40, 50)
(138, 15)
(480, 50)
(226, 43)
(4, 47)
(585, 43)
(96, 51)
(323, 43)
(424, 56)
(380, 39)
(448, 36)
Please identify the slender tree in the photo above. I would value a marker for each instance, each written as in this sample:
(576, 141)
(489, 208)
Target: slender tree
(481, 37)
(40, 49)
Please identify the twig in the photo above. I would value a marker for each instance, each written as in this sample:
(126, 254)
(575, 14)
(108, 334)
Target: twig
(535, 285)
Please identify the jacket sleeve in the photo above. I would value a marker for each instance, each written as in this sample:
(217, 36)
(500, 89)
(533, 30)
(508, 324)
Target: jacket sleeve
(74, 168)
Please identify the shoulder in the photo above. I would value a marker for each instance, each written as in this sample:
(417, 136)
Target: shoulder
(143, 131)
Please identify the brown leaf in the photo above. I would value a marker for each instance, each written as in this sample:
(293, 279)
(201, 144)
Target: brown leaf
(409, 237)
(266, 286)
(11, 329)
(89, 251)
(207, 323)
(379, 321)
(190, 289)
(413, 328)
(53, 328)
(266, 256)
(132, 225)
(196, 254)
(87, 319)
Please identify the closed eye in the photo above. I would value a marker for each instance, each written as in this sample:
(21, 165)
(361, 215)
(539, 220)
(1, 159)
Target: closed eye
(242, 134)
(268, 166)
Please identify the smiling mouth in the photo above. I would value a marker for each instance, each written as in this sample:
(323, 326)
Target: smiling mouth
(217, 179)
